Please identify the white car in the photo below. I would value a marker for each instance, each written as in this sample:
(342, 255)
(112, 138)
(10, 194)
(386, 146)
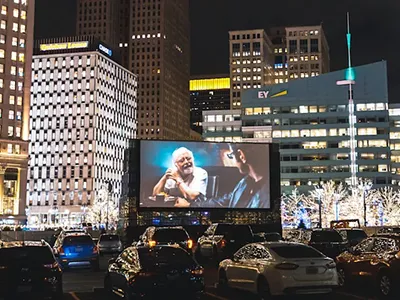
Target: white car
(278, 268)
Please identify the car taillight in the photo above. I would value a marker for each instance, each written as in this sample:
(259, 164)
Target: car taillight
(95, 250)
(152, 243)
(190, 244)
(51, 266)
(60, 251)
(222, 243)
(286, 266)
(198, 272)
(331, 265)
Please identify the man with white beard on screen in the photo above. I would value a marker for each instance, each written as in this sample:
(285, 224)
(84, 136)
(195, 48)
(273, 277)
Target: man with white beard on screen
(184, 179)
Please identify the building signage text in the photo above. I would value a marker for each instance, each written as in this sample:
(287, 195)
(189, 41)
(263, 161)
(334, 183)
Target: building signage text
(263, 94)
(64, 46)
(105, 50)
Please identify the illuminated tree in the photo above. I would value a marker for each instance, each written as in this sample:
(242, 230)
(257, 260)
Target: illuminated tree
(296, 207)
(384, 205)
(330, 195)
(103, 210)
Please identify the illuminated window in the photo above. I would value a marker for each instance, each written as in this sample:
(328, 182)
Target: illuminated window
(22, 43)
(380, 106)
(318, 132)
(267, 110)
(382, 168)
(248, 111)
(4, 10)
(16, 13)
(23, 14)
(303, 109)
(333, 132)
(21, 71)
(18, 131)
(367, 131)
(23, 28)
(305, 133)
(21, 57)
(1, 83)
(342, 131)
(17, 149)
(294, 133)
(12, 84)
(314, 145)
(14, 55)
(13, 70)
(285, 133)
(19, 100)
(2, 39)
(277, 134)
(258, 110)
(19, 116)
(313, 109)
(3, 24)
(12, 99)
(15, 27)
(11, 115)
(10, 131)
(1, 68)
(9, 148)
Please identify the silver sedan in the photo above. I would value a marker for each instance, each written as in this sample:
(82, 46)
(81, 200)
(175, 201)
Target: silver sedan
(278, 268)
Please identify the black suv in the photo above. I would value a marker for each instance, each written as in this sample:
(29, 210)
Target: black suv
(329, 241)
(164, 236)
(29, 268)
(221, 241)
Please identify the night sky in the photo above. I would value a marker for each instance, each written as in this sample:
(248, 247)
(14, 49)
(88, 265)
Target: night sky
(375, 26)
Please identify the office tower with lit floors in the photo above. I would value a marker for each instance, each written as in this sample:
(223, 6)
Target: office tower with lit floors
(83, 113)
(16, 43)
(251, 62)
(307, 51)
(160, 55)
(207, 93)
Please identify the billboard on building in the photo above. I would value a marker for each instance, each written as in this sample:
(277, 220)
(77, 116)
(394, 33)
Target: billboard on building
(203, 175)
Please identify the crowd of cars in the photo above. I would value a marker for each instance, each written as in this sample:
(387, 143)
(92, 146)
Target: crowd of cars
(166, 260)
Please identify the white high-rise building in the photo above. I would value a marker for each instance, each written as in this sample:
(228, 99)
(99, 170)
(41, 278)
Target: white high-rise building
(83, 112)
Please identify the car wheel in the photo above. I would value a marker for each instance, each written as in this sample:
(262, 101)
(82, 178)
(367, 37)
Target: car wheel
(385, 285)
(263, 290)
(222, 280)
(341, 277)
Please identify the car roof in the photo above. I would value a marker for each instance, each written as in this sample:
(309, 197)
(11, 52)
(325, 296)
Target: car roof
(280, 244)
(74, 234)
(351, 229)
(171, 227)
(21, 244)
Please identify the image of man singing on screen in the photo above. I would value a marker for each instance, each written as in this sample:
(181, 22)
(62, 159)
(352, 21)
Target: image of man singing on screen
(252, 191)
(184, 179)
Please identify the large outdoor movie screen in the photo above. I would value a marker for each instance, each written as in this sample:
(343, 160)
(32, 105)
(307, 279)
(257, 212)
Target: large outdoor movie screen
(189, 175)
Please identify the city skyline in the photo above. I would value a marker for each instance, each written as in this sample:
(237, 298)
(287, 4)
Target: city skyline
(377, 21)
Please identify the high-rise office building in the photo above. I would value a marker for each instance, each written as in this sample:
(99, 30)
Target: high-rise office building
(251, 62)
(307, 51)
(158, 51)
(207, 93)
(278, 40)
(99, 19)
(83, 112)
(16, 43)
(309, 118)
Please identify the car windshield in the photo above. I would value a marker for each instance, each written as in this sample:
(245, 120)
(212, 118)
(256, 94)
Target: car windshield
(78, 240)
(111, 238)
(237, 231)
(165, 256)
(296, 251)
(41, 255)
(170, 235)
(326, 236)
(356, 234)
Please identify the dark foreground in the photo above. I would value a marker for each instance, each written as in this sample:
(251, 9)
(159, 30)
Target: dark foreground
(88, 285)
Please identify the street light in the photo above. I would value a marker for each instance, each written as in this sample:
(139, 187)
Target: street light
(365, 188)
(319, 190)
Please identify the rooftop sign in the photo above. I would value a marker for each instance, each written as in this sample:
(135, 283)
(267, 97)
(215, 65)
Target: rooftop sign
(64, 46)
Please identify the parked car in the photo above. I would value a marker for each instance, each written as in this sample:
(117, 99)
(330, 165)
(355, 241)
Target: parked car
(154, 271)
(299, 236)
(220, 241)
(353, 235)
(278, 268)
(109, 243)
(376, 260)
(29, 268)
(328, 241)
(166, 236)
(77, 250)
(267, 237)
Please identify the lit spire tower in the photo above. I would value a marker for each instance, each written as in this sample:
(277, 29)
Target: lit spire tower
(350, 81)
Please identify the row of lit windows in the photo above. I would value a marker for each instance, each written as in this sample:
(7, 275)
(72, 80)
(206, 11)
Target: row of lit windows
(246, 70)
(16, 12)
(255, 85)
(13, 85)
(229, 139)
(222, 129)
(303, 75)
(334, 169)
(303, 33)
(13, 70)
(246, 36)
(281, 80)
(221, 118)
(14, 131)
(321, 132)
(246, 61)
(304, 109)
(246, 78)
(17, 115)
(47, 76)
(11, 99)
(13, 149)
(16, 27)
(14, 55)
(14, 41)
(303, 58)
